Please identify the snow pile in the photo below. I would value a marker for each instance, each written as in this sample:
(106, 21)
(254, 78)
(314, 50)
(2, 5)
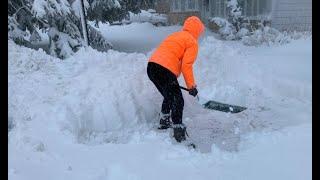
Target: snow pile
(149, 16)
(83, 92)
(238, 73)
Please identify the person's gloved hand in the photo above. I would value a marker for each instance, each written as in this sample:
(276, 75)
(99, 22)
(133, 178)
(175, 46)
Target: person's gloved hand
(193, 91)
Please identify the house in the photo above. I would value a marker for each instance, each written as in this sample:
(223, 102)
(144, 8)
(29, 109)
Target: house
(281, 14)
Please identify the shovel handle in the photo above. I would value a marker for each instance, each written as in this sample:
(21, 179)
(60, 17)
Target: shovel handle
(181, 87)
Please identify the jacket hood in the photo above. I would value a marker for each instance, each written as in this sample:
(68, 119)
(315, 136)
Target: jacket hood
(194, 26)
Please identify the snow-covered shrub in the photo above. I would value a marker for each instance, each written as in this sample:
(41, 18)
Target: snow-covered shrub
(242, 32)
(265, 35)
(64, 26)
(225, 28)
(110, 10)
(234, 14)
(253, 37)
(57, 18)
(97, 41)
(62, 44)
(15, 33)
(234, 27)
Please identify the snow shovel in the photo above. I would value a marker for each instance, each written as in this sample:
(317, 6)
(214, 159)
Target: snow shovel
(214, 105)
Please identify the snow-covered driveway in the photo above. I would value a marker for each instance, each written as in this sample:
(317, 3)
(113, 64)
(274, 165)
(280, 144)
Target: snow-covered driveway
(91, 116)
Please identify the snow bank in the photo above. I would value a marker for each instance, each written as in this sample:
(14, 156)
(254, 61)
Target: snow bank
(236, 72)
(89, 93)
(149, 16)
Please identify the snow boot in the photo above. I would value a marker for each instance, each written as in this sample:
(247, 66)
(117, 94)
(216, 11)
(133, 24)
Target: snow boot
(164, 121)
(179, 132)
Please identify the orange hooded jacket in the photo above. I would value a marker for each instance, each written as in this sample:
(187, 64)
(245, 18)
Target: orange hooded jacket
(179, 50)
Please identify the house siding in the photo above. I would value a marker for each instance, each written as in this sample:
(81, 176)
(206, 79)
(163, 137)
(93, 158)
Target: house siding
(162, 6)
(292, 15)
(180, 14)
(282, 14)
(179, 18)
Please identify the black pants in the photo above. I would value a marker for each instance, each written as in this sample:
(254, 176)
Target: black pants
(167, 83)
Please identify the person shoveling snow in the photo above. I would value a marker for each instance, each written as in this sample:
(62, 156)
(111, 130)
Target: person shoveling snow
(175, 55)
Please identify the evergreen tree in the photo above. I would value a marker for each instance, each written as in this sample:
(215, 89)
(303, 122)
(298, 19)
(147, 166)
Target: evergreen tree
(111, 10)
(235, 16)
(55, 17)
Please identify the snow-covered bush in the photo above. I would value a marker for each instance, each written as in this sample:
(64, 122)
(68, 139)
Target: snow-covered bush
(225, 28)
(265, 35)
(63, 26)
(234, 14)
(15, 33)
(57, 18)
(110, 10)
(234, 27)
(242, 32)
(262, 35)
(97, 41)
(21, 22)
(250, 32)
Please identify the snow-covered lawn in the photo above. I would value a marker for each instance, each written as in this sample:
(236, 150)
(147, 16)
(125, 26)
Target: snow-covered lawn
(92, 116)
(137, 37)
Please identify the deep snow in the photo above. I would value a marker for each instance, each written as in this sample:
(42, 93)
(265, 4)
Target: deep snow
(92, 115)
